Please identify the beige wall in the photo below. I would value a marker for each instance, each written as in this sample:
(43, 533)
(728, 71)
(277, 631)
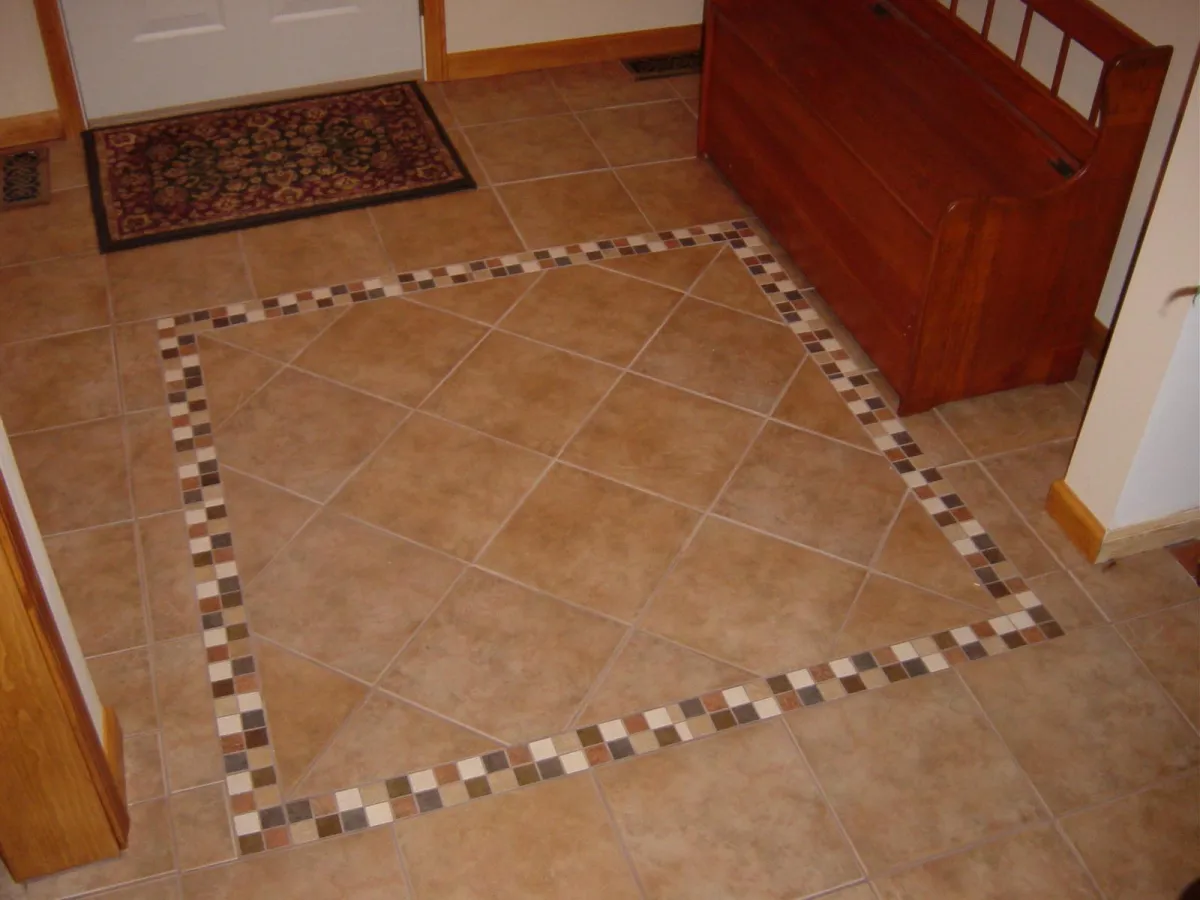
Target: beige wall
(477, 24)
(24, 78)
(1124, 470)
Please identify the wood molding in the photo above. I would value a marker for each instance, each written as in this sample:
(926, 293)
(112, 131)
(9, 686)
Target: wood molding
(433, 26)
(113, 741)
(1075, 519)
(63, 807)
(58, 58)
(1150, 535)
(550, 54)
(31, 128)
(1097, 338)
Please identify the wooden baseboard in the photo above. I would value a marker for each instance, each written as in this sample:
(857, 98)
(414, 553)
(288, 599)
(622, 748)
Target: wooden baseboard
(1075, 519)
(1097, 338)
(550, 54)
(1101, 545)
(32, 128)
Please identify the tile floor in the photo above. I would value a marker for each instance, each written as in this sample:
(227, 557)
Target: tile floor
(480, 515)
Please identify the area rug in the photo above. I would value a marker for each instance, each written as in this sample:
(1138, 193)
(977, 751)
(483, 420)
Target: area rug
(209, 172)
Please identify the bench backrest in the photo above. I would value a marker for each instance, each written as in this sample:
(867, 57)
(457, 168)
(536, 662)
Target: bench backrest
(1046, 57)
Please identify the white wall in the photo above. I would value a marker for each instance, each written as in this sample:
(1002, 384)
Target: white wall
(25, 85)
(58, 609)
(1134, 457)
(478, 24)
(1165, 477)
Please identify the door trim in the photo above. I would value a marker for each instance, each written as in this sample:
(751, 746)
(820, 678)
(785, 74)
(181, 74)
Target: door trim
(62, 71)
(433, 27)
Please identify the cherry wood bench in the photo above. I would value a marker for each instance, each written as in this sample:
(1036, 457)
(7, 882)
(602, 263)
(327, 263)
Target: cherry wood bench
(957, 213)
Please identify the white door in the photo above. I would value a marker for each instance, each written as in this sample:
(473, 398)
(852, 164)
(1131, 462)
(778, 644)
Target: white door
(133, 56)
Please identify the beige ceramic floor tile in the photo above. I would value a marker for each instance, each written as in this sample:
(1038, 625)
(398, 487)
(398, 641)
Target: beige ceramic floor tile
(170, 576)
(605, 84)
(201, 826)
(645, 133)
(281, 338)
(727, 282)
(97, 571)
(522, 392)
(503, 659)
(484, 301)
(725, 354)
(921, 746)
(857, 892)
(664, 440)
(1169, 644)
(936, 441)
(315, 252)
(678, 194)
(58, 380)
(534, 148)
(916, 551)
(1083, 717)
(499, 98)
(649, 672)
(1142, 847)
(451, 228)
(231, 377)
(149, 854)
(572, 208)
(591, 311)
(591, 541)
(887, 612)
(384, 738)
(139, 366)
(997, 515)
(1065, 600)
(306, 703)
(1033, 865)
(123, 682)
(161, 889)
(811, 403)
(414, 485)
(178, 277)
(64, 227)
(815, 491)
(1010, 420)
(392, 349)
(753, 600)
(52, 297)
(552, 840)
(305, 434)
(357, 867)
(687, 86)
(347, 595)
(67, 166)
(737, 815)
(143, 768)
(152, 465)
(191, 752)
(262, 518)
(75, 477)
(678, 269)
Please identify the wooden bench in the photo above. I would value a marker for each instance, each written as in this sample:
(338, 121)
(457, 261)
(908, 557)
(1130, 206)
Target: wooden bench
(957, 213)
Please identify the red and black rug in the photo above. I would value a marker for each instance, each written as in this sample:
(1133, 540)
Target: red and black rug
(204, 173)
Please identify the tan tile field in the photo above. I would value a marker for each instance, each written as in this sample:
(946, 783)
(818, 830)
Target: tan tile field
(602, 509)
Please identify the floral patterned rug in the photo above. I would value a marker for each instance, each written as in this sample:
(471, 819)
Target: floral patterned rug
(184, 176)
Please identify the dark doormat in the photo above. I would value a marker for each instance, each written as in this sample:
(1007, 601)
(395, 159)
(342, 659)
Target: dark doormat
(209, 172)
(645, 67)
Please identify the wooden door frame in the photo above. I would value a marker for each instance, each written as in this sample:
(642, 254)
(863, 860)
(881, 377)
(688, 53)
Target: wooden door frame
(62, 71)
(433, 27)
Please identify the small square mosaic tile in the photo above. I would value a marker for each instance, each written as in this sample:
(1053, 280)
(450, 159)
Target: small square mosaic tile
(263, 821)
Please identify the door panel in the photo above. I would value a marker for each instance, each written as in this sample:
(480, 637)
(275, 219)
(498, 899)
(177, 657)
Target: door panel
(133, 56)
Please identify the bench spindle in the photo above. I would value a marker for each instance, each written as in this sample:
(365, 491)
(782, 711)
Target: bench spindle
(987, 19)
(1061, 65)
(1024, 39)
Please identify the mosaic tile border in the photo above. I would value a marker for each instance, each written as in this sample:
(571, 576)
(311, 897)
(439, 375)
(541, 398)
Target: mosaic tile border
(261, 819)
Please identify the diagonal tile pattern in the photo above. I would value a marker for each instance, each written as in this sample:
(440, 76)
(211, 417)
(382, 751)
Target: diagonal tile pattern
(333, 595)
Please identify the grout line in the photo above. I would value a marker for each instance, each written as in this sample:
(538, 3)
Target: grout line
(618, 834)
